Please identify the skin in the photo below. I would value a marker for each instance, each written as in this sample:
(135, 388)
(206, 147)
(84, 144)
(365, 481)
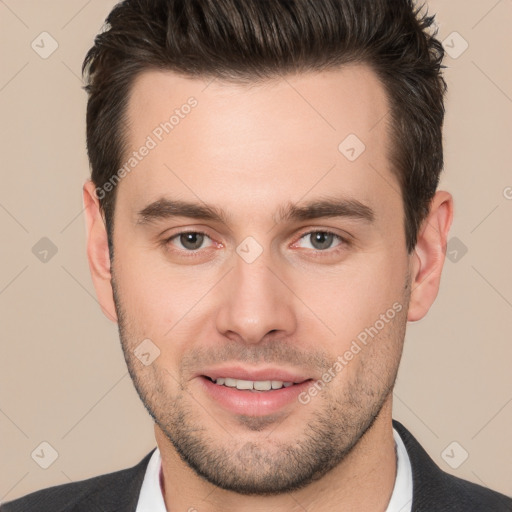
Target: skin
(252, 150)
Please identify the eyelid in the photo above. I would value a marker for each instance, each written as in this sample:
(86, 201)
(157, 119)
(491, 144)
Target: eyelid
(169, 239)
(344, 240)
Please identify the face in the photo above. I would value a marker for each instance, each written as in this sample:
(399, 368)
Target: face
(267, 267)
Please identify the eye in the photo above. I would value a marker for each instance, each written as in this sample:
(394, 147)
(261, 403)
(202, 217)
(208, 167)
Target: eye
(189, 240)
(321, 240)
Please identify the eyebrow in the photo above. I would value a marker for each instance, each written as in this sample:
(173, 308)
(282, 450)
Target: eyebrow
(167, 208)
(330, 207)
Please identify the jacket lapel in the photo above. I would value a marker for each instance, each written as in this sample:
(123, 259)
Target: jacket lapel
(435, 490)
(119, 492)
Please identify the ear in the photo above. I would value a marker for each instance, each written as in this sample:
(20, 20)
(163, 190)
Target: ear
(428, 257)
(98, 251)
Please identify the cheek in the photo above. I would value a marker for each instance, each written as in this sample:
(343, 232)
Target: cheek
(153, 295)
(353, 298)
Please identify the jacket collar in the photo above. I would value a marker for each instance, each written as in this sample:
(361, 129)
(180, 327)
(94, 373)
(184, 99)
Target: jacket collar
(116, 492)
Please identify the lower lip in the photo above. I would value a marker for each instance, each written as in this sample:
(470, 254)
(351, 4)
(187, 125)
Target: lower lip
(253, 403)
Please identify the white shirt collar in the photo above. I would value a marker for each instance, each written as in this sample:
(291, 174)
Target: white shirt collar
(151, 498)
(401, 499)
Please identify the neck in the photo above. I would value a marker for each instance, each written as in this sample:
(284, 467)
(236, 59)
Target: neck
(362, 482)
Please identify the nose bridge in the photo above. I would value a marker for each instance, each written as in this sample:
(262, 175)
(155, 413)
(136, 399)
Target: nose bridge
(256, 300)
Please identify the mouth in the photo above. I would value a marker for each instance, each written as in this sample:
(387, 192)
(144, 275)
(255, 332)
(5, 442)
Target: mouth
(252, 385)
(270, 392)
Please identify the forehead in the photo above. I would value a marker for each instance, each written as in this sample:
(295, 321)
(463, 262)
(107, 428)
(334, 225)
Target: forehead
(286, 136)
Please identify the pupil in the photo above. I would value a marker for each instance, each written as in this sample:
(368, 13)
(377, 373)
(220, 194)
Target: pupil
(321, 240)
(192, 240)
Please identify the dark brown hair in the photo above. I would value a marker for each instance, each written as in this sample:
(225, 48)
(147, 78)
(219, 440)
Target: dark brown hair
(249, 41)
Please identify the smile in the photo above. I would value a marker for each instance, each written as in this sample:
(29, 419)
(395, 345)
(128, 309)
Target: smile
(252, 397)
(252, 385)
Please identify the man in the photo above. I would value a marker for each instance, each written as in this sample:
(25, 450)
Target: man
(263, 221)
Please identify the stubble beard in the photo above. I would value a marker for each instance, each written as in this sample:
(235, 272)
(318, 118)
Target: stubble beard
(270, 466)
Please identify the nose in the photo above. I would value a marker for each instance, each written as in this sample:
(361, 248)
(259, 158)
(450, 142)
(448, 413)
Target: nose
(256, 301)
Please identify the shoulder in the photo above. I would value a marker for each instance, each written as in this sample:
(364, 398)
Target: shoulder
(110, 492)
(434, 489)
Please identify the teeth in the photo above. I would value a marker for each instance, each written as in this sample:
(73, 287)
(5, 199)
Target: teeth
(259, 385)
(262, 385)
(244, 384)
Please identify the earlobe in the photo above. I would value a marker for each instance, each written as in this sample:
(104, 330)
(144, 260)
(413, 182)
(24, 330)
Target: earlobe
(98, 251)
(428, 257)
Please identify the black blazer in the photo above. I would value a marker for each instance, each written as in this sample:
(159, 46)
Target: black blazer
(433, 490)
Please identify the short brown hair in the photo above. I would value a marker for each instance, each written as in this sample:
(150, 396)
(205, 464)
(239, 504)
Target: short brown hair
(252, 40)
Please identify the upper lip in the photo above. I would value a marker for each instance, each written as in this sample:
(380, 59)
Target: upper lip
(254, 374)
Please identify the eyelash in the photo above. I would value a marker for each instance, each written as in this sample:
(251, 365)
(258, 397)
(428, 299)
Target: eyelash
(343, 242)
(192, 253)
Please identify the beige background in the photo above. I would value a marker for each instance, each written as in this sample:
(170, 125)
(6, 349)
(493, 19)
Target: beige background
(63, 377)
